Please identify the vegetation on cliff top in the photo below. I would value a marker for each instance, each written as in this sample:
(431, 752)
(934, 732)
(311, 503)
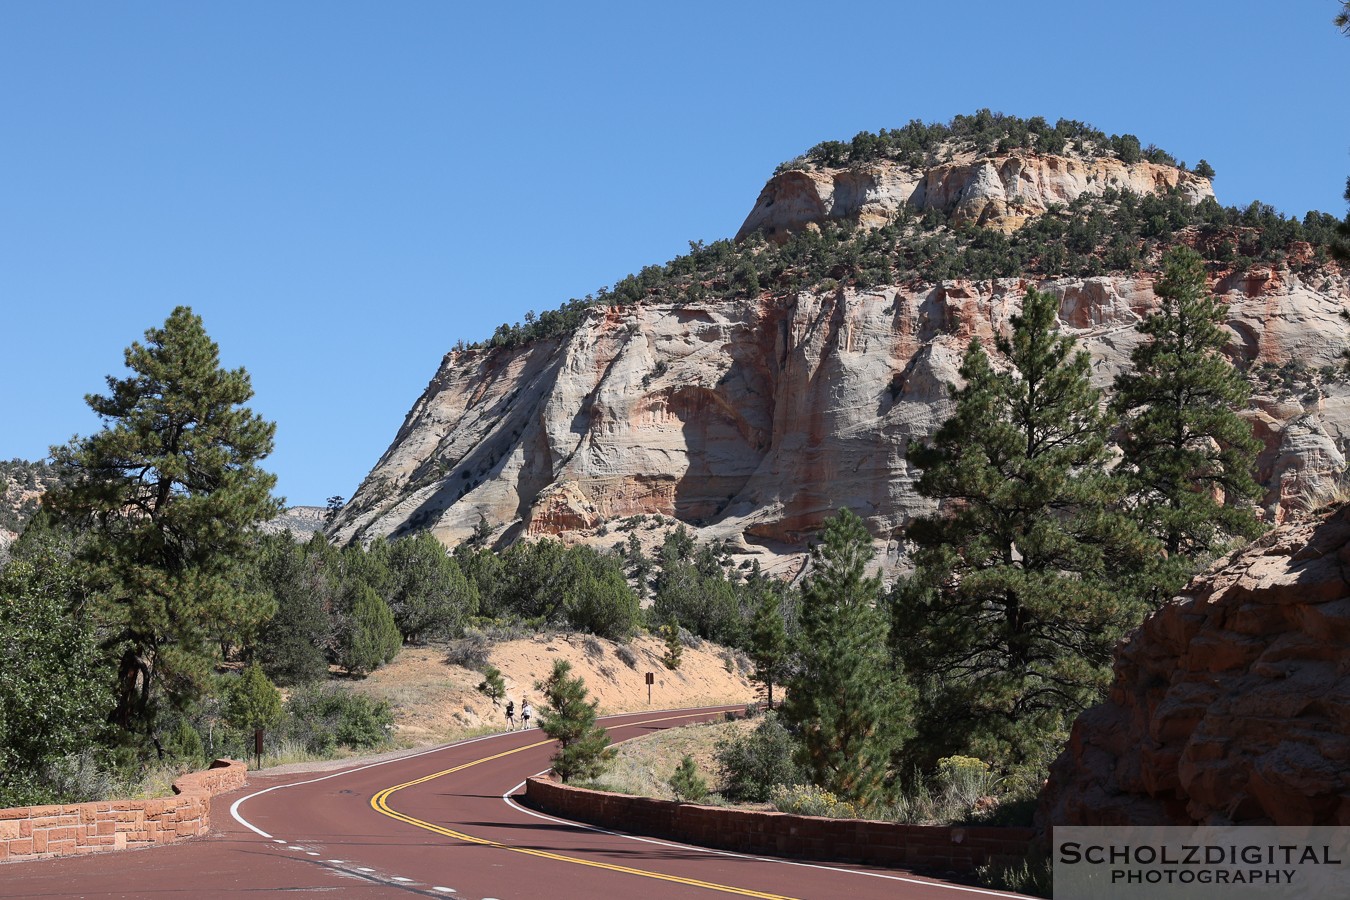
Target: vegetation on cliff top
(922, 145)
(1118, 232)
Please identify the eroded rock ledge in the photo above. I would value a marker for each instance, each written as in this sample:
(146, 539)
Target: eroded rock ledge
(1232, 703)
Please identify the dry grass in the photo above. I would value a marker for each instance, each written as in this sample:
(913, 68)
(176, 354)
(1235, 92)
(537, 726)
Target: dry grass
(643, 766)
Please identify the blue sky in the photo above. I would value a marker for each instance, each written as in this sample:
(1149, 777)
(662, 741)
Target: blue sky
(343, 190)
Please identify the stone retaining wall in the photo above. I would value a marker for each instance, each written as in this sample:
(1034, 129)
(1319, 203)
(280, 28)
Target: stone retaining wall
(39, 832)
(936, 847)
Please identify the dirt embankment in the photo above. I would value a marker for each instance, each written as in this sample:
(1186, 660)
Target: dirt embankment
(435, 701)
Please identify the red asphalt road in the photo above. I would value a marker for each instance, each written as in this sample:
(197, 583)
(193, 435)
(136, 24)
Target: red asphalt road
(444, 831)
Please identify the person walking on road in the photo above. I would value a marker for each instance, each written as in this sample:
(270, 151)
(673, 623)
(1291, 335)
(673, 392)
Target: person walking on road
(525, 711)
(511, 714)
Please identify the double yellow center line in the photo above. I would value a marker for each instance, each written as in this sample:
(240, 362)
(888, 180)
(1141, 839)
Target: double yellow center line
(380, 803)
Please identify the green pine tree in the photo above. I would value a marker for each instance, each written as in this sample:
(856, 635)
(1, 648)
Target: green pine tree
(769, 647)
(291, 646)
(493, 686)
(170, 491)
(686, 783)
(569, 718)
(1021, 587)
(639, 565)
(674, 646)
(252, 701)
(851, 707)
(597, 597)
(1188, 456)
(368, 637)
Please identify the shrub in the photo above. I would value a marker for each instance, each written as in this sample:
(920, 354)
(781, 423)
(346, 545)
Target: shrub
(324, 718)
(753, 765)
(593, 646)
(470, 651)
(809, 800)
(626, 655)
(965, 780)
(1032, 876)
(67, 778)
(368, 637)
(185, 743)
(251, 701)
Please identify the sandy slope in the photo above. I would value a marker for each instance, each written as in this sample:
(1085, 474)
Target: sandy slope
(434, 701)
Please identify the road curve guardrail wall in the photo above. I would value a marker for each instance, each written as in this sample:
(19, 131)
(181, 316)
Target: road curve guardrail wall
(955, 848)
(39, 832)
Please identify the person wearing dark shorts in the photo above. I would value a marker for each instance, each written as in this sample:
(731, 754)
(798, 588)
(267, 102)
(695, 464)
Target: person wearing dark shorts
(511, 714)
(525, 711)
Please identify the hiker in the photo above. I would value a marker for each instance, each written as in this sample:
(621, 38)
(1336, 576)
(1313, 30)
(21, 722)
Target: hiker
(511, 713)
(525, 714)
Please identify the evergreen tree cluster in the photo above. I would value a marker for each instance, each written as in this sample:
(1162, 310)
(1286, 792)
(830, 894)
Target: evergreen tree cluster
(544, 583)
(923, 145)
(1044, 551)
(143, 615)
(1047, 547)
(354, 607)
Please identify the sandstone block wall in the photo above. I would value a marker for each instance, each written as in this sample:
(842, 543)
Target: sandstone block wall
(948, 848)
(39, 832)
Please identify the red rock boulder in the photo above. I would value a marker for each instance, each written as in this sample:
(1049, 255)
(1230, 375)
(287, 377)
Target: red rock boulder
(1231, 704)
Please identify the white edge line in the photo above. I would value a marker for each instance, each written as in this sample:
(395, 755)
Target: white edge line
(768, 859)
(234, 807)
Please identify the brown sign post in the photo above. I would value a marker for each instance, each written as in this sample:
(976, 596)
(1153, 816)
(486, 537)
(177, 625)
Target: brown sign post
(257, 745)
(651, 678)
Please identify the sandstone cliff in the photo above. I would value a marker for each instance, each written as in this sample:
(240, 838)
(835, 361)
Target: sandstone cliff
(751, 420)
(998, 191)
(1231, 704)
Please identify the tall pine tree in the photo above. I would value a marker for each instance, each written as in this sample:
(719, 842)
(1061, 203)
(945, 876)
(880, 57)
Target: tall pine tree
(851, 707)
(1008, 622)
(292, 645)
(170, 491)
(1188, 456)
(769, 647)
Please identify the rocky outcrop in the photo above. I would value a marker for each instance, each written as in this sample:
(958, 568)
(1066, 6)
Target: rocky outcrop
(1231, 704)
(998, 191)
(753, 420)
(300, 521)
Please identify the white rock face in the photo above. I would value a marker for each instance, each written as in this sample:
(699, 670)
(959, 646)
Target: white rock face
(1000, 191)
(753, 421)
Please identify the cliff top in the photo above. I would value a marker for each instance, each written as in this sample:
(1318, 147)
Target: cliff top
(920, 146)
(982, 196)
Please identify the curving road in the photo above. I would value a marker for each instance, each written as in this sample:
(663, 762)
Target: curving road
(441, 823)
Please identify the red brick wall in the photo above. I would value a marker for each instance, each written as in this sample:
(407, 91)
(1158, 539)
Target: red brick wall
(37, 832)
(949, 848)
